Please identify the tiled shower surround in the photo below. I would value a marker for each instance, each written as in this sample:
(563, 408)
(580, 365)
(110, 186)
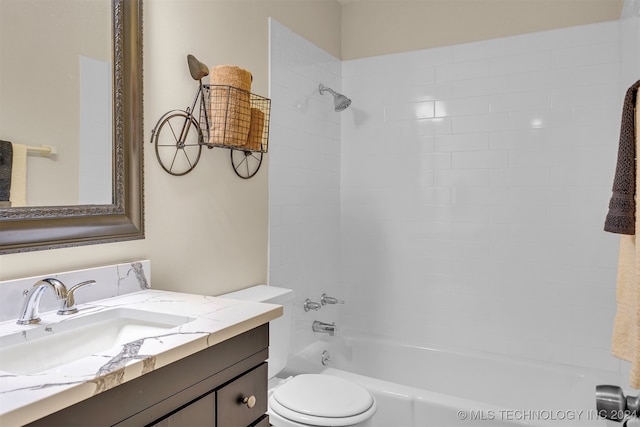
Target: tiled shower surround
(304, 176)
(461, 202)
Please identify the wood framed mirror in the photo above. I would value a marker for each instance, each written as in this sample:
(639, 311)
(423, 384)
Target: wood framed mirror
(46, 227)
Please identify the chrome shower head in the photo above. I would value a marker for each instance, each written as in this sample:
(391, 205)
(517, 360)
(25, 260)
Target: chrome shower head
(340, 102)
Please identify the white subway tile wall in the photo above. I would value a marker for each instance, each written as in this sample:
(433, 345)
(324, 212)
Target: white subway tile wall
(490, 237)
(460, 200)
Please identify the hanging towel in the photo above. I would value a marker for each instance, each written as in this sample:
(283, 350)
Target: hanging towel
(18, 194)
(622, 207)
(6, 160)
(626, 329)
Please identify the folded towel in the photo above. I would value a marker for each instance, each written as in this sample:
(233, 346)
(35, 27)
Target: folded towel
(229, 105)
(254, 140)
(6, 160)
(18, 194)
(622, 207)
(626, 329)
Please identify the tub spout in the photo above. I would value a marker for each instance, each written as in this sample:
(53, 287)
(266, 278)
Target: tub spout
(327, 328)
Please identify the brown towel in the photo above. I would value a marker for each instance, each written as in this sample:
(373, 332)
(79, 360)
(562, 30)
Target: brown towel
(622, 207)
(6, 162)
(230, 105)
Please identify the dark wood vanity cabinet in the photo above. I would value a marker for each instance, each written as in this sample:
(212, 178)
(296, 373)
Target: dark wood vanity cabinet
(222, 386)
(226, 406)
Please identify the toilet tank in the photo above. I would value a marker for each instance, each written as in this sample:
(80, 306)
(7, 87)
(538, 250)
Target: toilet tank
(280, 328)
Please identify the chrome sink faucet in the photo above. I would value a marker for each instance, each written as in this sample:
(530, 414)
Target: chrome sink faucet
(30, 312)
(30, 309)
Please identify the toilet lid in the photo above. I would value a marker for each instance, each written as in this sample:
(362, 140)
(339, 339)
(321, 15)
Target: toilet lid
(323, 396)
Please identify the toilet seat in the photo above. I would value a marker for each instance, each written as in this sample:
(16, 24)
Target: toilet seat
(322, 400)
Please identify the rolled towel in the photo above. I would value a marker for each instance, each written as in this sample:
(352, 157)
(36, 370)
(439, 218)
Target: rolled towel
(256, 130)
(231, 75)
(230, 105)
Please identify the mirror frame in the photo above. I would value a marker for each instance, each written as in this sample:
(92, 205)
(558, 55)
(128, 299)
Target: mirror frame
(42, 227)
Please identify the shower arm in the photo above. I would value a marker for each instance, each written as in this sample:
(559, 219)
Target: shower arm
(324, 88)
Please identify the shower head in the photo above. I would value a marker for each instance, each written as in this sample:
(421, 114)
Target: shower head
(340, 102)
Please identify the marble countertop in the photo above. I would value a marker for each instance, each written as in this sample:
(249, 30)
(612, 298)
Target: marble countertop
(25, 398)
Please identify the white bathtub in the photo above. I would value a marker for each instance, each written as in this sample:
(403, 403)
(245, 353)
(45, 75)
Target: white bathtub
(425, 387)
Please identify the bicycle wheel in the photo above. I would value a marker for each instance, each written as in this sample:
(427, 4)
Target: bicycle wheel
(245, 163)
(178, 142)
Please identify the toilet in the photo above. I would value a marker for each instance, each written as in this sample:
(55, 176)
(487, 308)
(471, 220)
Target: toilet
(307, 399)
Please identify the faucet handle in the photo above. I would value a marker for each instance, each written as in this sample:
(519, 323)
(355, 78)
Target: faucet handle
(326, 299)
(310, 305)
(68, 305)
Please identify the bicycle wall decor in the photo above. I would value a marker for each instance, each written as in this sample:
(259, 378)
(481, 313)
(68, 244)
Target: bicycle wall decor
(229, 117)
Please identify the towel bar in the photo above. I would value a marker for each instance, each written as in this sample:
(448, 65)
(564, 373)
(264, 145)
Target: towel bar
(44, 150)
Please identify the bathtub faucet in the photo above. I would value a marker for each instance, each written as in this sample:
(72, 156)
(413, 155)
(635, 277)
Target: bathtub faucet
(327, 328)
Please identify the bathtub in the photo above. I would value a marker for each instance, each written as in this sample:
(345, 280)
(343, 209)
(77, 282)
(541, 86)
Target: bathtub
(435, 387)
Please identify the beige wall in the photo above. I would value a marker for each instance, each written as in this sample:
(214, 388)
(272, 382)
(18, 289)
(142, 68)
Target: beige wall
(206, 231)
(381, 27)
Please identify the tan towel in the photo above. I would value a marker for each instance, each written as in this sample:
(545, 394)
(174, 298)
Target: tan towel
(254, 140)
(18, 192)
(230, 105)
(626, 329)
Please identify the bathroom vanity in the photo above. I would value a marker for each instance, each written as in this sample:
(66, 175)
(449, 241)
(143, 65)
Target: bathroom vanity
(174, 359)
(224, 385)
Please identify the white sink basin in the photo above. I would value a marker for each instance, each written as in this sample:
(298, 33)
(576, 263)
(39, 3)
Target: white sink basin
(49, 346)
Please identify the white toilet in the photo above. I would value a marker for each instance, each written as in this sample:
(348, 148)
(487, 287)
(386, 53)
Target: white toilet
(308, 399)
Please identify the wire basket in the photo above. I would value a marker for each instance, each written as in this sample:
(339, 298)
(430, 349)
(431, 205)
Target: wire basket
(235, 118)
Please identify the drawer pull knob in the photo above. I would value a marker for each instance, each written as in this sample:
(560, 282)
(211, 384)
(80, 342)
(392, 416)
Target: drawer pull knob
(249, 401)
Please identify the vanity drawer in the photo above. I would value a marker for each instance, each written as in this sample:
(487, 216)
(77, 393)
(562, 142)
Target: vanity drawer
(250, 387)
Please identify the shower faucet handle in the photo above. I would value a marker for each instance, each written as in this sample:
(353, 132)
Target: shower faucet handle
(310, 305)
(326, 299)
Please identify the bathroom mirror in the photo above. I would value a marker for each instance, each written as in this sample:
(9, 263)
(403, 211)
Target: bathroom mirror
(46, 227)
